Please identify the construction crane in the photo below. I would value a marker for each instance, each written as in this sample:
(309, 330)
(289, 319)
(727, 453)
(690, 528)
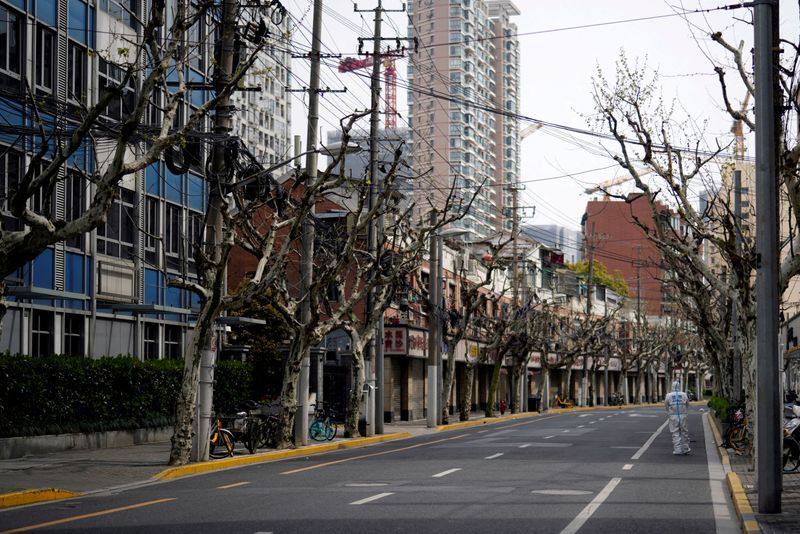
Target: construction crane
(349, 64)
(619, 180)
(738, 131)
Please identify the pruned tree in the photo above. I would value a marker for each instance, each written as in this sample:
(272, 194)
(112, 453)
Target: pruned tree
(645, 130)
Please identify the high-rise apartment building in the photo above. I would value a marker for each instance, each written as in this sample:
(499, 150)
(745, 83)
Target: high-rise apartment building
(463, 102)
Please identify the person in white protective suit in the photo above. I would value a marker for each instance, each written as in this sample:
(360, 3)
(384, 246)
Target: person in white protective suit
(677, 404)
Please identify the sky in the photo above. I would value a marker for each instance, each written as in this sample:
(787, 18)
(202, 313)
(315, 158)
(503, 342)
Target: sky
(563, 43)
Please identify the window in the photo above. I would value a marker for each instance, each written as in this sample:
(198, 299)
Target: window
(73, 335)
(76, 73)
(45, 58)
(10, 48)
(110, 77)
(124, 10)
(10, 168)
(115, 238)
(173, 233)
(150, 341)
(172, 342)
(195, 229)
(152, 219)
(41, 333)
(74, 208)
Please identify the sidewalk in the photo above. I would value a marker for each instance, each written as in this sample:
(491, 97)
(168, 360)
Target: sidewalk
(788, 521)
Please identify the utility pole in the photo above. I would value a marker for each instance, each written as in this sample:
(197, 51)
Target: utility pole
(638, 332)
(737, 351)
(590, 281)
(515, 280)
(768, 111)
(307, 239)
(375, 375)
(434, 329)
(222, 126)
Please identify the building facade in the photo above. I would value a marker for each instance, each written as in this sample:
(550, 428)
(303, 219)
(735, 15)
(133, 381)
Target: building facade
(104, 293)
(465, 76)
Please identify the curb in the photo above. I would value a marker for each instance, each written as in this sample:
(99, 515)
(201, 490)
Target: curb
(486, 421)
(741, 503)
(19, 498)
(228, 463)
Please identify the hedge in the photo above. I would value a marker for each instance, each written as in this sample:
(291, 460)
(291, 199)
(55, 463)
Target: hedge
(64, 394)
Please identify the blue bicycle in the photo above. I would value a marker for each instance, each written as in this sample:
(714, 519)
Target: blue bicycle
(322, 427)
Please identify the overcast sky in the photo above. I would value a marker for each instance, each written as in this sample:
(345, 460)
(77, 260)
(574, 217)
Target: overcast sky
(562, 43)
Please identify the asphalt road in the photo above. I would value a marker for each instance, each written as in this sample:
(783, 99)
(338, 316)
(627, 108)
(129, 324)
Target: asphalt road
(602, 471)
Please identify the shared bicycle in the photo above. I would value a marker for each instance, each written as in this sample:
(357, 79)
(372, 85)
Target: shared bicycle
(322, 427)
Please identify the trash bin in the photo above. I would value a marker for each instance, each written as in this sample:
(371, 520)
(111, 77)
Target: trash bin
(533, 404)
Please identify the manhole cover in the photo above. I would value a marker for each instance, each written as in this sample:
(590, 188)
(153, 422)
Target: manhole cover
(561, 492)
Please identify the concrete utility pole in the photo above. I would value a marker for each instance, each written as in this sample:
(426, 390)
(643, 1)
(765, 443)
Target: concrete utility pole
(768, 106)
(222, 126)
(307, 240)
(434, 330)
(590, 281)
(737, 351)
(515, 283)
(375, 376)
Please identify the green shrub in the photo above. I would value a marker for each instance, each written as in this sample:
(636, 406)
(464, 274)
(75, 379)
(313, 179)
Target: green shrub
(61, 394)
(721, 407)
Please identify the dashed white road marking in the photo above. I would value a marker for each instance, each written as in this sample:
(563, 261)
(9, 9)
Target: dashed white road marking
(524, 445)
(627, 467)
(649, 442)
(548, 437)
(584, 415)
(561, 492)
(482, 431)
(493, 456)
(445, 473)
(373, 498)
(565, 431)
(601, 419)
(581, 426)
(592, 422)
(366, 484)
(591, 508)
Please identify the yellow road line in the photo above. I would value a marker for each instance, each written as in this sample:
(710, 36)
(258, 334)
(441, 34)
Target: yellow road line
(226, 463)
(18, 498)
(234, 485)
(343, 460)
(86, 516)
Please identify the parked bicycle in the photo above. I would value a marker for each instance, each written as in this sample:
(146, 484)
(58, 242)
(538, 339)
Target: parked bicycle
(563, 403)
(220, 441)
(322, 427)
(736, 435)
(616, 399)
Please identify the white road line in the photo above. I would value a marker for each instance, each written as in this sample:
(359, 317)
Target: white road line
(493, 456)
(565, 431)
(366, 484)
(445, 473)
(592, 422)
(373, 498)
(601, 419)
(525, 445)
(591, 508)
(482, 431)
(584, 415)
(548, 437)
(581, 426)
(649, 442)
(627, 467)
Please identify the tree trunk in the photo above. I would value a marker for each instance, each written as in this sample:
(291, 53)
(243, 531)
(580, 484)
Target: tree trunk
(466, 398)
(447, 387)
(493, 387)
(544, 391)
(516, 395)
(354, 401)
(186, 409)
(567, 394)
